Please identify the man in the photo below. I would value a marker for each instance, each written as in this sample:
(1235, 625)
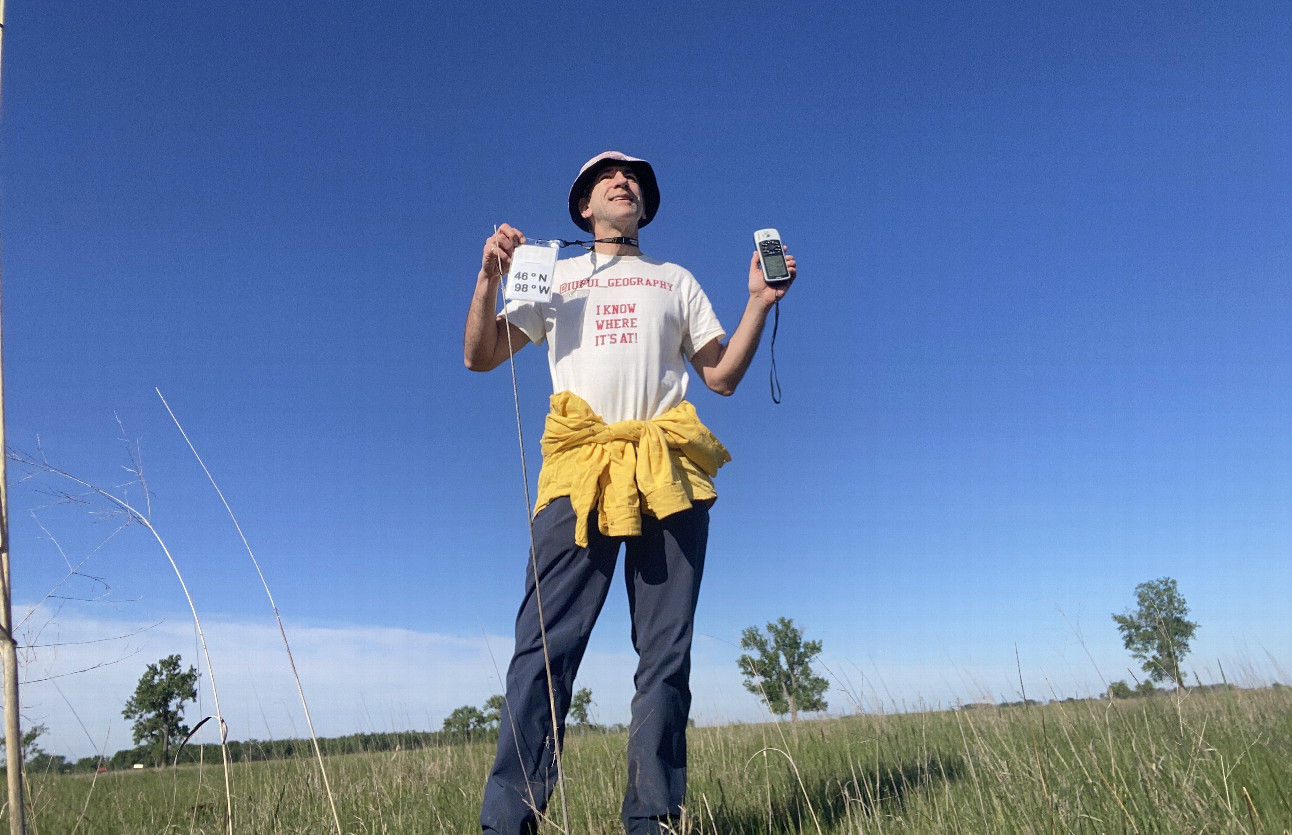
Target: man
(625, 462)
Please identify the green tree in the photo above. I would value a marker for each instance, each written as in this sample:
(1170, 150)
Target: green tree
(43, 763)
(579, 706)
(780, 670)
(1157, 632)
(30, 750)
(464, 720)
(493, 712)
(158, 705)
(1120, 690)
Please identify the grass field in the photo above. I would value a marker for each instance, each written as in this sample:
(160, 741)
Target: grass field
(1202, 763)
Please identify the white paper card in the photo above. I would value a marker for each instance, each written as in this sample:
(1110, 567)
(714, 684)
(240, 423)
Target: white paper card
(532, 266)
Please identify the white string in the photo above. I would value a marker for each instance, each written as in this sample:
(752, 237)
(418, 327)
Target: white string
(533, 558)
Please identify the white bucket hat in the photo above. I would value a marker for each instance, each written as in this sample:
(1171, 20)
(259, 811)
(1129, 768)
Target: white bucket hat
(583, 182)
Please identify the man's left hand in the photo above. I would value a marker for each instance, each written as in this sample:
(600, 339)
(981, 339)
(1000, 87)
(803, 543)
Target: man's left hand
(769, 294)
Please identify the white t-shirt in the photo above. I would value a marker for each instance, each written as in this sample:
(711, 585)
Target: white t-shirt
(619, 332)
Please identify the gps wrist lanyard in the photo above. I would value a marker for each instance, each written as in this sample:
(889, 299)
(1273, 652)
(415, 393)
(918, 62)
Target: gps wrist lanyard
(773, 378)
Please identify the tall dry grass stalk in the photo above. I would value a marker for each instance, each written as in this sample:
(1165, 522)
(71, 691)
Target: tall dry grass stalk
(538, 596)
(133, 515)
(327, 786)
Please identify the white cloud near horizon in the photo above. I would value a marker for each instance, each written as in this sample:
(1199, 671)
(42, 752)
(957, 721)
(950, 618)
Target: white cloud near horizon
(355, 679)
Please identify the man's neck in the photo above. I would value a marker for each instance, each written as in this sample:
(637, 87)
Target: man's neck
(602, 232)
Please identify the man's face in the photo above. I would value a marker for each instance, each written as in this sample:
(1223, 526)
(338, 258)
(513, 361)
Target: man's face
(615, 197)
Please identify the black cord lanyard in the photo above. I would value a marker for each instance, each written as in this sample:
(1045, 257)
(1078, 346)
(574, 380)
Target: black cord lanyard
(773, 380)
(588, 244)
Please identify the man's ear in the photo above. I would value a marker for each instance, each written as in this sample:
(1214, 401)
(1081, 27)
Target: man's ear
(584, 203)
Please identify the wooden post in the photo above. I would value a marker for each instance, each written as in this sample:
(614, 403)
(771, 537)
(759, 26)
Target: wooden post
(8, 647)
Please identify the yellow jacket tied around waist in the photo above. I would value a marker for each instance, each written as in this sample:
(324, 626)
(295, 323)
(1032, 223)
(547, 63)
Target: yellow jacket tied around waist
(659, 466)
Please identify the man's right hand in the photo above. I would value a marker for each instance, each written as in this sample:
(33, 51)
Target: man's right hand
(489, 340)
(495, 261)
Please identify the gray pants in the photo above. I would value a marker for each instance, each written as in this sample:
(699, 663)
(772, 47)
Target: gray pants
(662, 570)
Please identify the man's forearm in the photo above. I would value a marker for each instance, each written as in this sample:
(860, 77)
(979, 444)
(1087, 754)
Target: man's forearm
(740, 349)
(480, 343)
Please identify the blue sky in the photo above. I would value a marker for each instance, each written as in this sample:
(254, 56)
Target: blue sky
(1039, 351)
